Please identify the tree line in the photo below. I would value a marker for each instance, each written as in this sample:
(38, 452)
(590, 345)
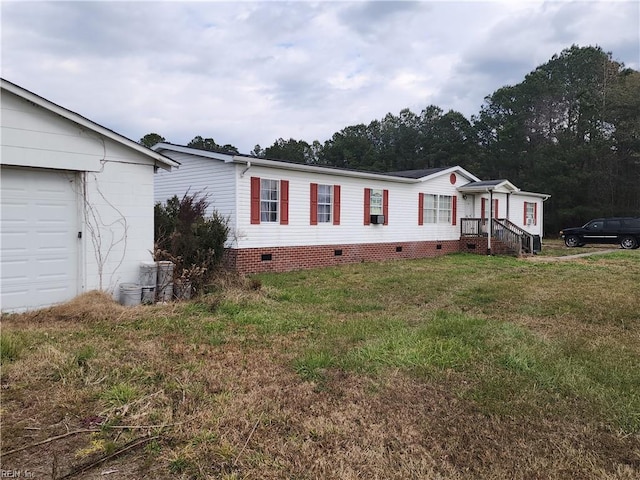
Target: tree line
(571, 129)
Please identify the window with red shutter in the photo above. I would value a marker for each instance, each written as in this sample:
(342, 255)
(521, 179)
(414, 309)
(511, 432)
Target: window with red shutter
(336, 204)
(284, 202)
(454, 210)
(385, 206)
(313, 208)
(367, 206)
(255, 200)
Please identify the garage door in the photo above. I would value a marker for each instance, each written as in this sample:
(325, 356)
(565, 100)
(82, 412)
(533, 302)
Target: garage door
(38, 238)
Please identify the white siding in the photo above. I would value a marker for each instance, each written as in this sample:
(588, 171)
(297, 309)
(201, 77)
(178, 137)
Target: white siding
(517, 213)
(211, 177)
(441, 186)
(113, 187)
(34, 137)
(229, 188)
(403, 212)
(118, 229)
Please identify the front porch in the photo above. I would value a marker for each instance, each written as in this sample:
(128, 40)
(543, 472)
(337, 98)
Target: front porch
(506, 237)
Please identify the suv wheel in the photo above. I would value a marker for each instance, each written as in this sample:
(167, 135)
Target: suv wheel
(572, 241)
(628, 242)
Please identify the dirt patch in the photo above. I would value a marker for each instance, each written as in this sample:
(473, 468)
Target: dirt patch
(540, 258)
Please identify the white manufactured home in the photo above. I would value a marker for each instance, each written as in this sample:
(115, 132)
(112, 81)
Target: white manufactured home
(287, 216)
(76, 203)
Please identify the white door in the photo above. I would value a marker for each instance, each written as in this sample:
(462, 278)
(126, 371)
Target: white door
(469, 206)
(38, 237)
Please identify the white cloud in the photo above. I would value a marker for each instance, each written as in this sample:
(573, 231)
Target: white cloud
(251, 72)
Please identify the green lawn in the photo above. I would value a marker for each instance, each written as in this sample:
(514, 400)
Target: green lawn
(462, 366)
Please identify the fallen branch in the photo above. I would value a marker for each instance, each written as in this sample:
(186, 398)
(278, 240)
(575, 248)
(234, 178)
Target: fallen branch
(48, 440)
(247, 442)
(126, 448)
(141, 427)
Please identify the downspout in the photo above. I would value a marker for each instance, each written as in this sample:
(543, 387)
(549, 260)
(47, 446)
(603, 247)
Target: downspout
(544, 199)
(246, 169)
(490, 229)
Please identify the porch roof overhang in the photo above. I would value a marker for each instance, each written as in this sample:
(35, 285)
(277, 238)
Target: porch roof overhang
(487, 186)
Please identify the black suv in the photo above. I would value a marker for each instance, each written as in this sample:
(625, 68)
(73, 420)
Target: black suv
(622, 230)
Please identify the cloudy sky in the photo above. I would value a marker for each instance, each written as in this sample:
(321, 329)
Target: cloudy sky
(247, 73)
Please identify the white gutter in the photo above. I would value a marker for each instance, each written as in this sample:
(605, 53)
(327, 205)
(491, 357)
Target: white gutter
(246, 169)
(321, 170)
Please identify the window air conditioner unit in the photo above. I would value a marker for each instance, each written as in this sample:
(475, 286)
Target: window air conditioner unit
(377, 219)
(529, 221)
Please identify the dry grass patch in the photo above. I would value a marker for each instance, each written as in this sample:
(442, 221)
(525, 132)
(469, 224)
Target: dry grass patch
(451, 368)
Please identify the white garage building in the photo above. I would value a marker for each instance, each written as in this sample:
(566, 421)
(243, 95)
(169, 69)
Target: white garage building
(76, 203)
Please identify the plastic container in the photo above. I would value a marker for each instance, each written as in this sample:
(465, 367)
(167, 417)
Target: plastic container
(148, 274)
(148, 294)
(130, 294)
(165, 273)
(165, 294)
(182, 290)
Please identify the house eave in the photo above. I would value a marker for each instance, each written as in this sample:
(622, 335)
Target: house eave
(158, 159)
(544, 196)
(255, 161)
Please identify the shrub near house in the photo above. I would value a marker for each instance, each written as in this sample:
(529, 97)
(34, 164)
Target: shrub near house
(193, 242)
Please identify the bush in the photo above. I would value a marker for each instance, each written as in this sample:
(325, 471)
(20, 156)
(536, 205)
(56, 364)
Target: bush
(189, 239)
(10, 347)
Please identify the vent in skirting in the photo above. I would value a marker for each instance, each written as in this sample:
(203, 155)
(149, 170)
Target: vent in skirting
(337, 253)
(266, 257)
(439, 246)
(399, 248)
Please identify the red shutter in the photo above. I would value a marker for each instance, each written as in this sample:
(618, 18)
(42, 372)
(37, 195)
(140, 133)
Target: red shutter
(535, 213)
(524, 215)
(495, 208)
(421, 209)
(284, 202)
(385, 206)
(336, 204)
(483, 208)
(367, 206)
(255, 200)
(454, 210)
(313, 212)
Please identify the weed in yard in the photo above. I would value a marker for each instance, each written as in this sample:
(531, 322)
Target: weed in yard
(82, 356)
(10, 347)
(312, 364)
(180, 465)
(96, 445)
(119, 395)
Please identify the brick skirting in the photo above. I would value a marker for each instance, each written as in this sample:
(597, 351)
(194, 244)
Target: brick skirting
(284, 259)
